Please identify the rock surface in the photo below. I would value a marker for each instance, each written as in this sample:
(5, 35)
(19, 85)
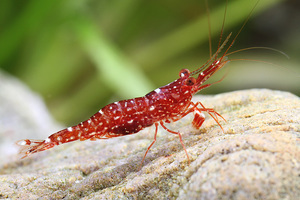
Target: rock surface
(256, 157)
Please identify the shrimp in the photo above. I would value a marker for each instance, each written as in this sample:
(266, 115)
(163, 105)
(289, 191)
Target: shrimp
(161, 106)
(166, 104)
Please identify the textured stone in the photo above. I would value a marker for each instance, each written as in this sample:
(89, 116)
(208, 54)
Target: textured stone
(256, 157)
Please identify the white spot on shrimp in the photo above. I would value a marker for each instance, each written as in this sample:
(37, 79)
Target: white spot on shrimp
(129, 109)
(175, 87)
(47, 140)
(22, 143)
(125, 104)
(116, 103)
(151, 108)
(58, 138)
(70, 129)
(89, 121)
(110, 107)
(101, 123)
(114, 127)
(202, 74)
(101, 112)
(157, 90)
(72, 137)
(130, 121)
(117, 117)
(181, 104)
(186, 92)
(93, 133)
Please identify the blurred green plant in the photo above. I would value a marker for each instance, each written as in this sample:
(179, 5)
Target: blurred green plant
(81, 55)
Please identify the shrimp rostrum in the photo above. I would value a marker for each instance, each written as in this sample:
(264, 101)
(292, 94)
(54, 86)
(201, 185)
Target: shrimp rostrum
(164, 105)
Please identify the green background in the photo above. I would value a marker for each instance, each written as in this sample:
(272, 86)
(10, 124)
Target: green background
(80, 55)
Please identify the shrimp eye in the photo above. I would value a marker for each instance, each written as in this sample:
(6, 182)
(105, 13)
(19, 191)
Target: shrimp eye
(190, 81)
(184, 73)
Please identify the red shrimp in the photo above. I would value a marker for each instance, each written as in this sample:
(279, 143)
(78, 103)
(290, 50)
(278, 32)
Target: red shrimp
(163, 105)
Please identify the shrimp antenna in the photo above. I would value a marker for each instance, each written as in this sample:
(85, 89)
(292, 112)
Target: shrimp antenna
(245, 22)
(209, 28)
(262, 61)
(222, 29)
(220, 44)
(213, 57)
(267, 48)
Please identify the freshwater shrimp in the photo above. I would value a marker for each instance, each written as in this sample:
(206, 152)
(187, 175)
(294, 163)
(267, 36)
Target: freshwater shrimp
(166, 104)
(161, 106)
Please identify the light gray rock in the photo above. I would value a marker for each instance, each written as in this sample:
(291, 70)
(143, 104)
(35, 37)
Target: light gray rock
(23, 114)
(256, 157)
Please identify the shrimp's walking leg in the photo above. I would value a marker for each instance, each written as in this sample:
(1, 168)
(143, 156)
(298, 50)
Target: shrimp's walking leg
(177, 133)
(210, 111)
(154, 140)
(199, 117)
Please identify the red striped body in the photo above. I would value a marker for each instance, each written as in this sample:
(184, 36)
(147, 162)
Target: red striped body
(125, 117)
(132, 115)
(163, 105)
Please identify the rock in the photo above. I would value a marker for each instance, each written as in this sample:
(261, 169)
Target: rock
(23, 114)
(256, 157)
